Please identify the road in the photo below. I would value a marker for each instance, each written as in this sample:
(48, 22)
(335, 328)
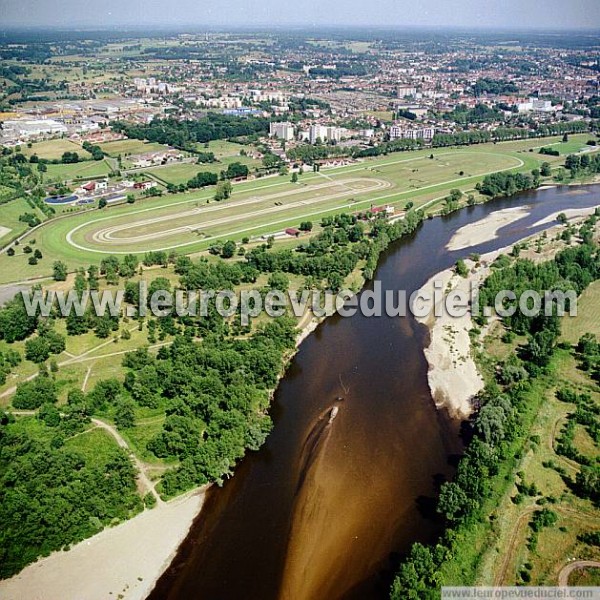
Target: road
(565, 573)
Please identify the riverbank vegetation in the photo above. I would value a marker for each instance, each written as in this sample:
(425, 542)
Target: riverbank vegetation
(526, 366)
(190, 406)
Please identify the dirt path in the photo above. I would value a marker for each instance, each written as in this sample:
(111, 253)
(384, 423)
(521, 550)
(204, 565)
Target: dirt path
(563, 576)
(83, 357)
(512, 544)
(501, 578)
(144, 480)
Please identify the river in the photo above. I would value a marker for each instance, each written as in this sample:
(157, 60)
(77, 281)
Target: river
(323, 510)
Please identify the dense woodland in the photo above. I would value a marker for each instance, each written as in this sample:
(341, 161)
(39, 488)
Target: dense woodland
(186, 134)
(51, 495)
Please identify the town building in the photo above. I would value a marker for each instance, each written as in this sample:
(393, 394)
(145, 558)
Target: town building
(282, 131)
(401, 131)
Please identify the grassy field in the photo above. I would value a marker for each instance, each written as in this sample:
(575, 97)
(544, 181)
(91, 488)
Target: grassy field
(506, 555)
(54, 149)
(588, 315)
(191, 222)
(386, 116)
(9, 218)
(223, 148)
(356, 187)
(88, 168)
(125, 147)
(182, 172)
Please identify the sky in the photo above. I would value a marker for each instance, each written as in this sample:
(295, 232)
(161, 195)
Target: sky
(471, 14)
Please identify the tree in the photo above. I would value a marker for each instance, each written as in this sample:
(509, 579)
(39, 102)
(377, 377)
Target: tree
(237, 170)
(453, 501)
(30, 395)
(102, 203)
(546, 169)
(49, 414)
(59, 271)
(306, 226)
(128, 266)
(69, 158)
(125, 414)
(294, 177)
(418, 576)
(56, 342)
(223, 191)
(587, 482)
(278, 281)
(461, 268)
(228, 249)
(37, 349)
(15, 323)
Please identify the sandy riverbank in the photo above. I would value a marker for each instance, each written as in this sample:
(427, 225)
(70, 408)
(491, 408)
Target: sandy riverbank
(119, 562)
(570, 213)
(485, 229)
(453, 376)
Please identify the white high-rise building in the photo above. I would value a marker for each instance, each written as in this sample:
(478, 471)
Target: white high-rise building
(406, 90)
(326, 133)
(317, 132)
(282, 131)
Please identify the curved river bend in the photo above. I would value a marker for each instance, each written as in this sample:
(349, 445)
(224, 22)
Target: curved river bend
(322, 509)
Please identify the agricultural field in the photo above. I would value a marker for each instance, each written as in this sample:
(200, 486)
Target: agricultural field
(54, 149)
(191, 222)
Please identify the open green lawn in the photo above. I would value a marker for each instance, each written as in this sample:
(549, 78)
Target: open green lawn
(93, 444)
(223, 148)
(588, 315)
(54, 149)
(125, 147)
(80, 170)
(263, 206)
(9, 219)
(386, 116)
(182, 172)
